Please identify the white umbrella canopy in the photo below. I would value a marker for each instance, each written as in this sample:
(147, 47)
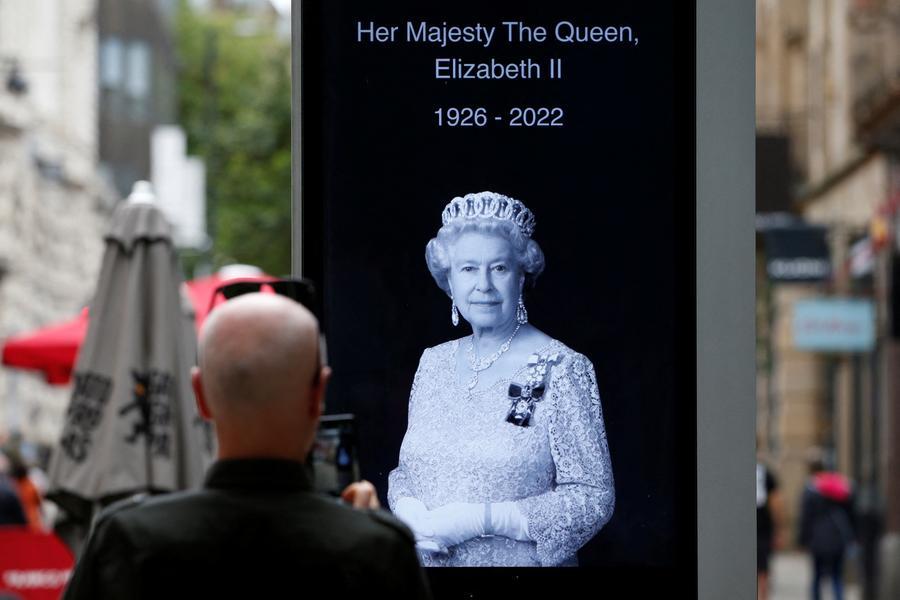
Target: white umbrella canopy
(132, 425)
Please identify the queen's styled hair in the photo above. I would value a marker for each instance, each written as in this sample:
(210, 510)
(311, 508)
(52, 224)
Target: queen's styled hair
(526, 251)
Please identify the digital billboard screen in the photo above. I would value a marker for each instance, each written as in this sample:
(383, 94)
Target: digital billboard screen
(498, 207)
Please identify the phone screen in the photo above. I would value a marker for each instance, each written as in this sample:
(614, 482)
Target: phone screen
(333, 456)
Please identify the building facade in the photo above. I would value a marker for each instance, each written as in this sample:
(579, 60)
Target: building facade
(828, 87)
(136, 77)
(53, 205)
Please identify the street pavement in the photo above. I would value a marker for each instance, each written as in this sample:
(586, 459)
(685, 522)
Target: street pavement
(791, 579)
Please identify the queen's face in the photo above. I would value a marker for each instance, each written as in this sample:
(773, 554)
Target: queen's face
(485, 279)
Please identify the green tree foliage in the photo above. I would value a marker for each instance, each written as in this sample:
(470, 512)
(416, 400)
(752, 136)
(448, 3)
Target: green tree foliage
(234, 101)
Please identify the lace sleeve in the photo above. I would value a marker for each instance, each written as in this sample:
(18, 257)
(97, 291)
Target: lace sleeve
(563, 520)
(399, 483)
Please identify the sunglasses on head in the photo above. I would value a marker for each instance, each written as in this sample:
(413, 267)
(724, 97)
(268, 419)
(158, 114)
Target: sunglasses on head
(301, 291)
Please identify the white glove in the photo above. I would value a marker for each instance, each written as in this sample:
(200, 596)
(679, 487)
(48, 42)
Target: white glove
(416, 516)
(456, 522)
(507, 520)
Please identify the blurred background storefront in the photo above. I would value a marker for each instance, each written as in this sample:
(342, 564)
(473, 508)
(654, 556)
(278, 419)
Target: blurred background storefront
(828, 276)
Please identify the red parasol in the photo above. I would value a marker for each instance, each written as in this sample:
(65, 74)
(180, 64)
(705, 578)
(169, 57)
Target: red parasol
(51, 349)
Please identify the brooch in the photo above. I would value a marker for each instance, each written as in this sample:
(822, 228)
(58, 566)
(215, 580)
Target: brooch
(523, 398)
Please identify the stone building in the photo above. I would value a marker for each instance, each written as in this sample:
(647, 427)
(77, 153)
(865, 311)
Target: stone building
(53, 205)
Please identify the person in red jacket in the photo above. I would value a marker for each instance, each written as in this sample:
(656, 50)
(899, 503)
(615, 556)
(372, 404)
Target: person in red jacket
(826, 526)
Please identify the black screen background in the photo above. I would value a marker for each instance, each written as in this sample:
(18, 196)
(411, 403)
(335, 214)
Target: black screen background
(613, 195)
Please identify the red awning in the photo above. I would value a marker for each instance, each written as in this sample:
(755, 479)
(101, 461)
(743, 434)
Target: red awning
(51, 349)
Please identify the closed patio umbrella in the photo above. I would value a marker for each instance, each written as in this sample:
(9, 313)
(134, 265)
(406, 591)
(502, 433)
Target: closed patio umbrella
(131, 425)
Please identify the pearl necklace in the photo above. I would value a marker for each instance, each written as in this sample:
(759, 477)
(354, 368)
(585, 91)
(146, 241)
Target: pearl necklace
(485, 363)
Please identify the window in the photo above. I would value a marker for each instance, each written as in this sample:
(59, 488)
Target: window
(139, 80)
(137, 83)
(111, 63)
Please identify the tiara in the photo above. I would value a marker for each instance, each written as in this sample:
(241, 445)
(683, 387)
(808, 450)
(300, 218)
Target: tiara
(488, 205)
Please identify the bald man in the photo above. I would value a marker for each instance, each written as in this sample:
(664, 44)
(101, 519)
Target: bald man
(256, 529)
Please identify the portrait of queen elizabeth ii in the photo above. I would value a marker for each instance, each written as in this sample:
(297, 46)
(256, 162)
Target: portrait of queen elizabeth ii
(505, 459)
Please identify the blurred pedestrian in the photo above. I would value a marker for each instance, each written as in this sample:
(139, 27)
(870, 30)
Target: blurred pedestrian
(826, 526)
(769, 525)
(11, 512)
(256, 529)
(29, 495)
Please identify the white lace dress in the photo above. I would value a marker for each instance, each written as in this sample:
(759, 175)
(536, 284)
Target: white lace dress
(459, 448)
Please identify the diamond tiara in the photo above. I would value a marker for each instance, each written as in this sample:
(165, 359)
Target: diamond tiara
(488, 205)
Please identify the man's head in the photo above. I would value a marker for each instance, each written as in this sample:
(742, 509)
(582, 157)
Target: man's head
(259, 378)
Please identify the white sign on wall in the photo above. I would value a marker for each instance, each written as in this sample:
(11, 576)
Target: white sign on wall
(180, 184)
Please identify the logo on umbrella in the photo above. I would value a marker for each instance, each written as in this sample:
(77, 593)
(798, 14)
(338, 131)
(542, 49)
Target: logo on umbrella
(152, 392)
(84, 414)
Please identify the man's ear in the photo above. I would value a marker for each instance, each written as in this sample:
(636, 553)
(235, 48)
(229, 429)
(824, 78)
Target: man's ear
(199, 397)
(317, 393)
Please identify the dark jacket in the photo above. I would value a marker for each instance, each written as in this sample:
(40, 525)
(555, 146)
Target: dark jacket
(256, 530)
(826, 521)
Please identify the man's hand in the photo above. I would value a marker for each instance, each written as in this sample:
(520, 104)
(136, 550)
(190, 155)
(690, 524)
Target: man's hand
(361, 494)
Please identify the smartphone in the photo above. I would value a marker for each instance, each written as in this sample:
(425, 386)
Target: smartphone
(333, 458)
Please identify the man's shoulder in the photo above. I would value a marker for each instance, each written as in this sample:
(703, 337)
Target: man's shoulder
(143, 503)
(249, 542)
(147, 514)
(183, 514)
